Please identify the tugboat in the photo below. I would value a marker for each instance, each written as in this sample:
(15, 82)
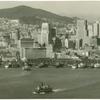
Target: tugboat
(43, 89)
(26, 67)
(42, 65)
(59, 65)
(96, 65)
(82, 65)
(8, 65)
(74, 66)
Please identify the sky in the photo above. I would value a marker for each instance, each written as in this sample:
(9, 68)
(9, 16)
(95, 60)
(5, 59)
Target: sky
(84, 9)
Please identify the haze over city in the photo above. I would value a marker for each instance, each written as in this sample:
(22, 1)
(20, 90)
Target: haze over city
(83, 9)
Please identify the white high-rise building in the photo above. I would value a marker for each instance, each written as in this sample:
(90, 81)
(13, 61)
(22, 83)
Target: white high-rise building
(90, 30)
(96, 28)
(44, 33)
(66, 43)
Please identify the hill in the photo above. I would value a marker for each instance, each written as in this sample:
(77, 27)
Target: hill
(30, 15)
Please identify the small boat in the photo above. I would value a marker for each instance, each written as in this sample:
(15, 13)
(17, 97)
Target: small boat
(6, 66)
(74, 67)
(43, 89)
(42, 65)
(82, 65)
(97, 65)
(59, 65)
(26, 68)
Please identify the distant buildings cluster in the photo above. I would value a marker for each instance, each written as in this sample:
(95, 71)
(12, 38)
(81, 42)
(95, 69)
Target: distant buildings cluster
(33, 41)
(87, 35)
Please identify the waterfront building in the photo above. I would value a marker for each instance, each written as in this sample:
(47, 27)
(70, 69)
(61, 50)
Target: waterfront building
(31, 50)
(33, 53)
(25, 43)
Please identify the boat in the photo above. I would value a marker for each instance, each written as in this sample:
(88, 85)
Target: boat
(43, 89)
(42, 65)
(97, 65)
(26, 68)
(59, 65)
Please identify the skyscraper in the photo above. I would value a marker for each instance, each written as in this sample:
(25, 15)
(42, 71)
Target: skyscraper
(96, 28)
(82, 34)
(52, 33)
(44, 34)
(47, 34)
(90, 30)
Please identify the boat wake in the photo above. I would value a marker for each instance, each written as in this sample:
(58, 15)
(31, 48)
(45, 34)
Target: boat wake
(54, 91)
(59, 90)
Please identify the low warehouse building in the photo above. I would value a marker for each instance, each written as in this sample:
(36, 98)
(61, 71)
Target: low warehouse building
(33, 53)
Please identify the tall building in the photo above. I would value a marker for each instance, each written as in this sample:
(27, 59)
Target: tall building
(81, 30)
(44, 34)
(49, 51)
(66, 43)
(39, 38)
(82, 34)
(47, 34)
(63, 40)
(96, 28)
(57, 44)
(52, 33)
(90, 30)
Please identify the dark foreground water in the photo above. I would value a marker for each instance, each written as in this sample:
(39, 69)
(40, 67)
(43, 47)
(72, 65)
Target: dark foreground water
(80, 83)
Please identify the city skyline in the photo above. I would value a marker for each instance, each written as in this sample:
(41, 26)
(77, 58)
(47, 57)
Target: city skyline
(82, 9)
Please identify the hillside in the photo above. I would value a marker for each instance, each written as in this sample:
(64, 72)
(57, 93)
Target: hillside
(30, 15)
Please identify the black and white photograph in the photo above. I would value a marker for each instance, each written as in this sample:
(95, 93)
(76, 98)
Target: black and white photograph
(49, 49)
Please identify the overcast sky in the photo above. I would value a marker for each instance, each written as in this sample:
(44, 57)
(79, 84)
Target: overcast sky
(85, 9)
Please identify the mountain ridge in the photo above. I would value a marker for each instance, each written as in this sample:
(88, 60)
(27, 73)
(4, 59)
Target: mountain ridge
(38, 15)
